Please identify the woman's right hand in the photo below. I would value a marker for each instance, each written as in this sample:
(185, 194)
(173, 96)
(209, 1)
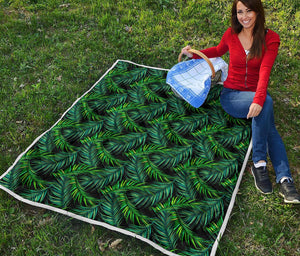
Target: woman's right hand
(185, 51)
(254, 110)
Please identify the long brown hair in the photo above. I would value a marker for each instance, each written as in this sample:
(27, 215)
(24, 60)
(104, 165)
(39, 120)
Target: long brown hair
(259, 27)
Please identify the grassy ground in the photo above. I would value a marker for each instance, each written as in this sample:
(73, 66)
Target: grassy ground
(52, 51)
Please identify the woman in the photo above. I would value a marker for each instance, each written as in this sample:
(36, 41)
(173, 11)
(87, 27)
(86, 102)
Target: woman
(253, 50)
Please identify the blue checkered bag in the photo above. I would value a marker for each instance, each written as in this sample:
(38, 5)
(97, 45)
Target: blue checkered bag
(192, 79)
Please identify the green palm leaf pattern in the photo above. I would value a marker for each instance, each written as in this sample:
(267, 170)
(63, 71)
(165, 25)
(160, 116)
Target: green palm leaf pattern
(188, 124)
(111, 211)
(90, 212)
(131, 154)
(164, 230)
(12, 179)
(46, 142)
(81, 131)
(60, 192)
(36, 195)
(185, 185)
(184, 232)
(135, 169)
(144, 231)
(124, 143)
(51, 163)
(149, 196)
(98, 179)
(130, 211)
(156, 134)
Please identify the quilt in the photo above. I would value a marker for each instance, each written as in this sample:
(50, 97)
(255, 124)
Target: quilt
(131, 156)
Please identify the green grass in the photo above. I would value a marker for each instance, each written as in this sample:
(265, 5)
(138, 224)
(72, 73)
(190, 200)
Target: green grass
(52, 51)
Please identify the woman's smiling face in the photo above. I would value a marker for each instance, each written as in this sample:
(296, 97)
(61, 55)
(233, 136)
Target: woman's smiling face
(245, 16)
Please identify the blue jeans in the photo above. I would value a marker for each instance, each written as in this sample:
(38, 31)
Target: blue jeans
(265, 138)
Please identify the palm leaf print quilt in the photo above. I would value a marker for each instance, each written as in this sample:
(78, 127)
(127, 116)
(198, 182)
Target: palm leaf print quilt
(131, 156)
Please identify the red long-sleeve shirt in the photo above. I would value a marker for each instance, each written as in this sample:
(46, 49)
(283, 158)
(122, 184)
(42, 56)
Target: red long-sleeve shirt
(246, 75)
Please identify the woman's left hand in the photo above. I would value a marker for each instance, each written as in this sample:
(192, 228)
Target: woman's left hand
(254, 110)
(186, 52)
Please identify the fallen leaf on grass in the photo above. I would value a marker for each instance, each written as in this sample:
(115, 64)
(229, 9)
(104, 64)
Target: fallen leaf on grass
(102, 245)
(46, 221)
(128, 29)
(92, 230)
(64, 5)
(115, 245)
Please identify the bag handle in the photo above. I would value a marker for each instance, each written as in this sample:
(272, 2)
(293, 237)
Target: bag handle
(204, 57)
